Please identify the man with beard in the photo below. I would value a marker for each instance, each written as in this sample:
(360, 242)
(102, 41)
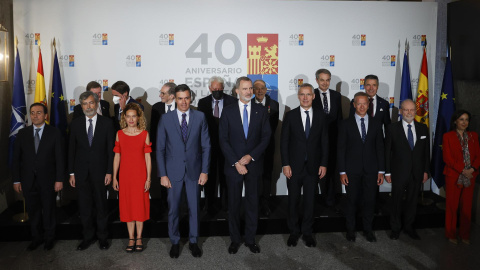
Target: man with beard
(103, 109)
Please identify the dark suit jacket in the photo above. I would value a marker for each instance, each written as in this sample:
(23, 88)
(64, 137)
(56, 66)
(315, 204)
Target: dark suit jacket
(382, 111)
(104, 105)
(356, 157)
(232, 138)
(400, 160)
(205, 106)
(335, 110)
(177, 159)
(47, 166)
(453, 156)
(294, 145)
(116, 109)
(273, 112)
(97, 159)
(158, 109)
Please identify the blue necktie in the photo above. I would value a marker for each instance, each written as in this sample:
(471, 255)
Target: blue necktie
(184, 127)
(90, 132)
(245, 121)
(410, 136)
(364, 131)
(307, 125)
(169, 108)
(325, 103)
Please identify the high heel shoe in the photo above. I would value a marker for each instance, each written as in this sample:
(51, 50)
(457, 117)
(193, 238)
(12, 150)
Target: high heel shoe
(138, 248)
(130, 249)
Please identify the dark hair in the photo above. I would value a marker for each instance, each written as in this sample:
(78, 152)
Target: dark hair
(183, 88)
(457, 115)
(371, 77)
(244, 78)
(234, 94)
(121, 87)
(324, 71)
(45, 109)
(171, 88)
(93, 84)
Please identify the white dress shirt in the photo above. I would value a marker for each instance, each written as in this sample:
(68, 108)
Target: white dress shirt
(304, 116)
(241, 106)
(179, 113)
(172, 108)
(328, 98)
(220, 106)
(405, 129)
(261, 102)
(40, 132)
(94, 123)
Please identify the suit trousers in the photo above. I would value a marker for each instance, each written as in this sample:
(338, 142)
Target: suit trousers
(217, 161)
(458, 198)
(294, 185)
(411, 189)
(235, 186)
(192, 190)
(361, 189)
(40, 204)
(266, 186)
(92, 195)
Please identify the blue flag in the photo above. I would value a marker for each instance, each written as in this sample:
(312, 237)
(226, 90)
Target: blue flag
(19, 109)
(445, 111)
(406, 88)
(58, 115)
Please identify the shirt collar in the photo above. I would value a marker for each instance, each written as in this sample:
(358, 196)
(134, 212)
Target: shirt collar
(241, 104)
(41, 127)
(94, 118)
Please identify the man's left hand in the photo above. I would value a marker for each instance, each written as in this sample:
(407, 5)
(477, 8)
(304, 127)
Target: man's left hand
(322, 171)
(108, 179)
(58, 186)
(425, 177)
(245, 160)
(203, 179)
(380, 179)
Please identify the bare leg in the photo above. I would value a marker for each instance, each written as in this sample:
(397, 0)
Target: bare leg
(131, 236)
(139, 241)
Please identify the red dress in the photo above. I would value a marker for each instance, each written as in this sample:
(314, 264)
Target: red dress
(134, 201)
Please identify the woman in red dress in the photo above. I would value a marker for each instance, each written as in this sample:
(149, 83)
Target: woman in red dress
(132, 157)
(461, 153)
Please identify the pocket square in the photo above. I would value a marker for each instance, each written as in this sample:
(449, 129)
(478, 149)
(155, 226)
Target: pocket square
(423, 137)
(381, 109)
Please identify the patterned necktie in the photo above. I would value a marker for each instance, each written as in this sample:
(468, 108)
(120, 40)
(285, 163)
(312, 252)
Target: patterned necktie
(216, 111)
(410, 137)
(370, 107)
(307, 125)
(245, 121)
(169, 108)
(184, 127)
(90, 132)
(37, 139)
(364, 131)
(325, 103)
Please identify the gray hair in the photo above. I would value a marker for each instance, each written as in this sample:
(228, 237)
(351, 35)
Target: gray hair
(87, 94)
(240, 79)
(322, 71)
(171, 88)
(216, 79)
(305, 85)
(407, 100)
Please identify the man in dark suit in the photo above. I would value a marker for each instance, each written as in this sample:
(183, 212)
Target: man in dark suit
(330, 101)
(103, 109)
(183, 156)
(90, 164)
(212, 106)
(261, 97)
(378, 107)
(304, 150)
(121, 97)
(39, 171)
(244, 134)
(407, 156)
(361, 164)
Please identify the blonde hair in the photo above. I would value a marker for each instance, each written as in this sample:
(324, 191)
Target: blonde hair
(142, 123)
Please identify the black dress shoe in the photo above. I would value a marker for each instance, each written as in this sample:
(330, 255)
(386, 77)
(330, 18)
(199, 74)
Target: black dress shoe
(175, 251)
(309, 241)
(48, 245)
(253, 247)
(413, 234)
(34, 245)
(351, 237)
(394, 235)
(233, 248)
(196, 251)
(104, 244)
(292, 240)
(85, 244)
(370, 237)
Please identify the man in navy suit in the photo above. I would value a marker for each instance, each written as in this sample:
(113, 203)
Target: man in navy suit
(121, 97)
(103, 109)
(244, 134)
(183, 158)
(361, 164)
(330, 102)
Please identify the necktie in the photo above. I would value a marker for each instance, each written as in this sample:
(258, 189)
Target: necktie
(37, 139)
(410, 136)
(90, 132)
(216, 111)
(245, 121)
(307, 125)
(325, 103)
(364, 131)
(169, 108)
(370, 107)
(184, 127)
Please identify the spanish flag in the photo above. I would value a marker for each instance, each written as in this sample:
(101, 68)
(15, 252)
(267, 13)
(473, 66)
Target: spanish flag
(40, 92)
(422, 94)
